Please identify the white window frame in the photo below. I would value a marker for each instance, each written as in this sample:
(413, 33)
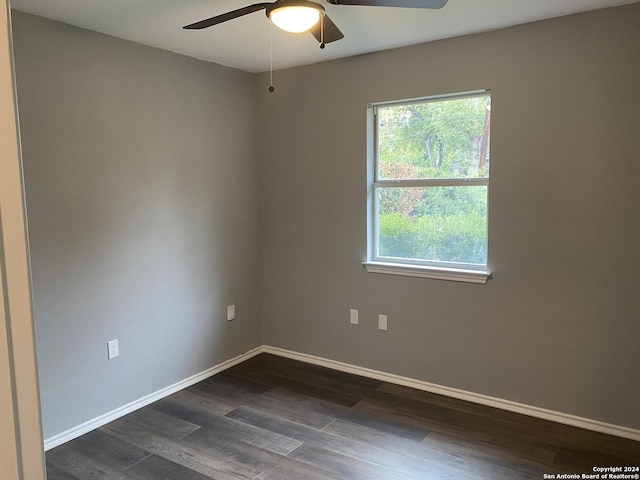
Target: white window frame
(410, 267)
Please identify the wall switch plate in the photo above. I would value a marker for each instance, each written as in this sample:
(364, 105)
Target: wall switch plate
(231, 312)
(113, 350)
(382, 322)
(353, 316)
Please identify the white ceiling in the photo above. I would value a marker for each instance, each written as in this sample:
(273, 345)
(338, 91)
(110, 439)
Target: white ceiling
(244, 42)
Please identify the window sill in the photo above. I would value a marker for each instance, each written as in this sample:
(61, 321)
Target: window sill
(437, 273)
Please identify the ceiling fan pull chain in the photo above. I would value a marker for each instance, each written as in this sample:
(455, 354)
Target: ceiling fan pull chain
(321, 31)
(271, 87)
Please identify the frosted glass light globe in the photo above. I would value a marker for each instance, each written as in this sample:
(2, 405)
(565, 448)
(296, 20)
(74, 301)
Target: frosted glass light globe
(295, 19)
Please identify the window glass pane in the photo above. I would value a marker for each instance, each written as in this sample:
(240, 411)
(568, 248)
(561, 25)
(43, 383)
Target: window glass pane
(444, 138)
(433, 224)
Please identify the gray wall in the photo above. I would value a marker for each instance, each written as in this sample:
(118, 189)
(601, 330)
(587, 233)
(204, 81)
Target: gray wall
(141, 187)
(558, 326)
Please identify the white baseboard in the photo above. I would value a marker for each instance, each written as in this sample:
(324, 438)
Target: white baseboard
(86, 427)
(486, 400)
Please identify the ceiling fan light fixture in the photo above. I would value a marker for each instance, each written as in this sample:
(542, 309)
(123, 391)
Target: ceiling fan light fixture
(295, 18)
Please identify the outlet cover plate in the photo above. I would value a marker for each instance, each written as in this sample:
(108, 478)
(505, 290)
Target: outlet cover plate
(113, 350)
(382, 322)
(353, 316)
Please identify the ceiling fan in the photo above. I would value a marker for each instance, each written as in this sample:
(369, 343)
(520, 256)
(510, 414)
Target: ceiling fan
(306, 16)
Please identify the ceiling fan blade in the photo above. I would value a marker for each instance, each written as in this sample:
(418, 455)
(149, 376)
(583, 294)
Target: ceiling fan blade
(331, 31)
(393, 3)
(226, 16)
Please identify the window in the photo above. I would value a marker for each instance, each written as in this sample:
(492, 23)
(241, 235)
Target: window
(428, 187)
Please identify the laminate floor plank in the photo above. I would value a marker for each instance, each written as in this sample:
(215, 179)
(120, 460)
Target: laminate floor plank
(193, 398)
(55, 473)
(289, 370)
(105, 449)
(561, 435)
(238, 383)
(384, 423)
(481, 466)
(375, 437)
(343, 377)
(563, 438)
(295, 370)
(303, 403)
(421, 469)
(343, 466)
(451, 403)
(228, 426)
(288, 409)
(158, 468)
(537, 452)
(273, 423)
(179, 452)
(480, 454)
(418, 468)
(500, 431)
(578, 461)
(597, 445)
(315, 375)
(230, 396)
(217, 396)
(257, 458)
(190, 412)
(169, 425)
(76, 464)
(333, 396)
(435, 456)
(410, 411)
(318, 438)
(349, 387)
(273, 418)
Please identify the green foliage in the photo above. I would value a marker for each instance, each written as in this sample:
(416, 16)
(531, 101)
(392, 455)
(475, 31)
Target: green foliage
(413, 202)
(456, 238)
(441, 139)
(433, 140)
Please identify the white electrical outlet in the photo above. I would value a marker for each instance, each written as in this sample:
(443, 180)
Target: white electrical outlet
(353, 316)
(113, 350)
(231, 312)
(382, 322)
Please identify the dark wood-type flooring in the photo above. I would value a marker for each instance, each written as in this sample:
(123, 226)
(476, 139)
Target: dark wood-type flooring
(272, 418)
